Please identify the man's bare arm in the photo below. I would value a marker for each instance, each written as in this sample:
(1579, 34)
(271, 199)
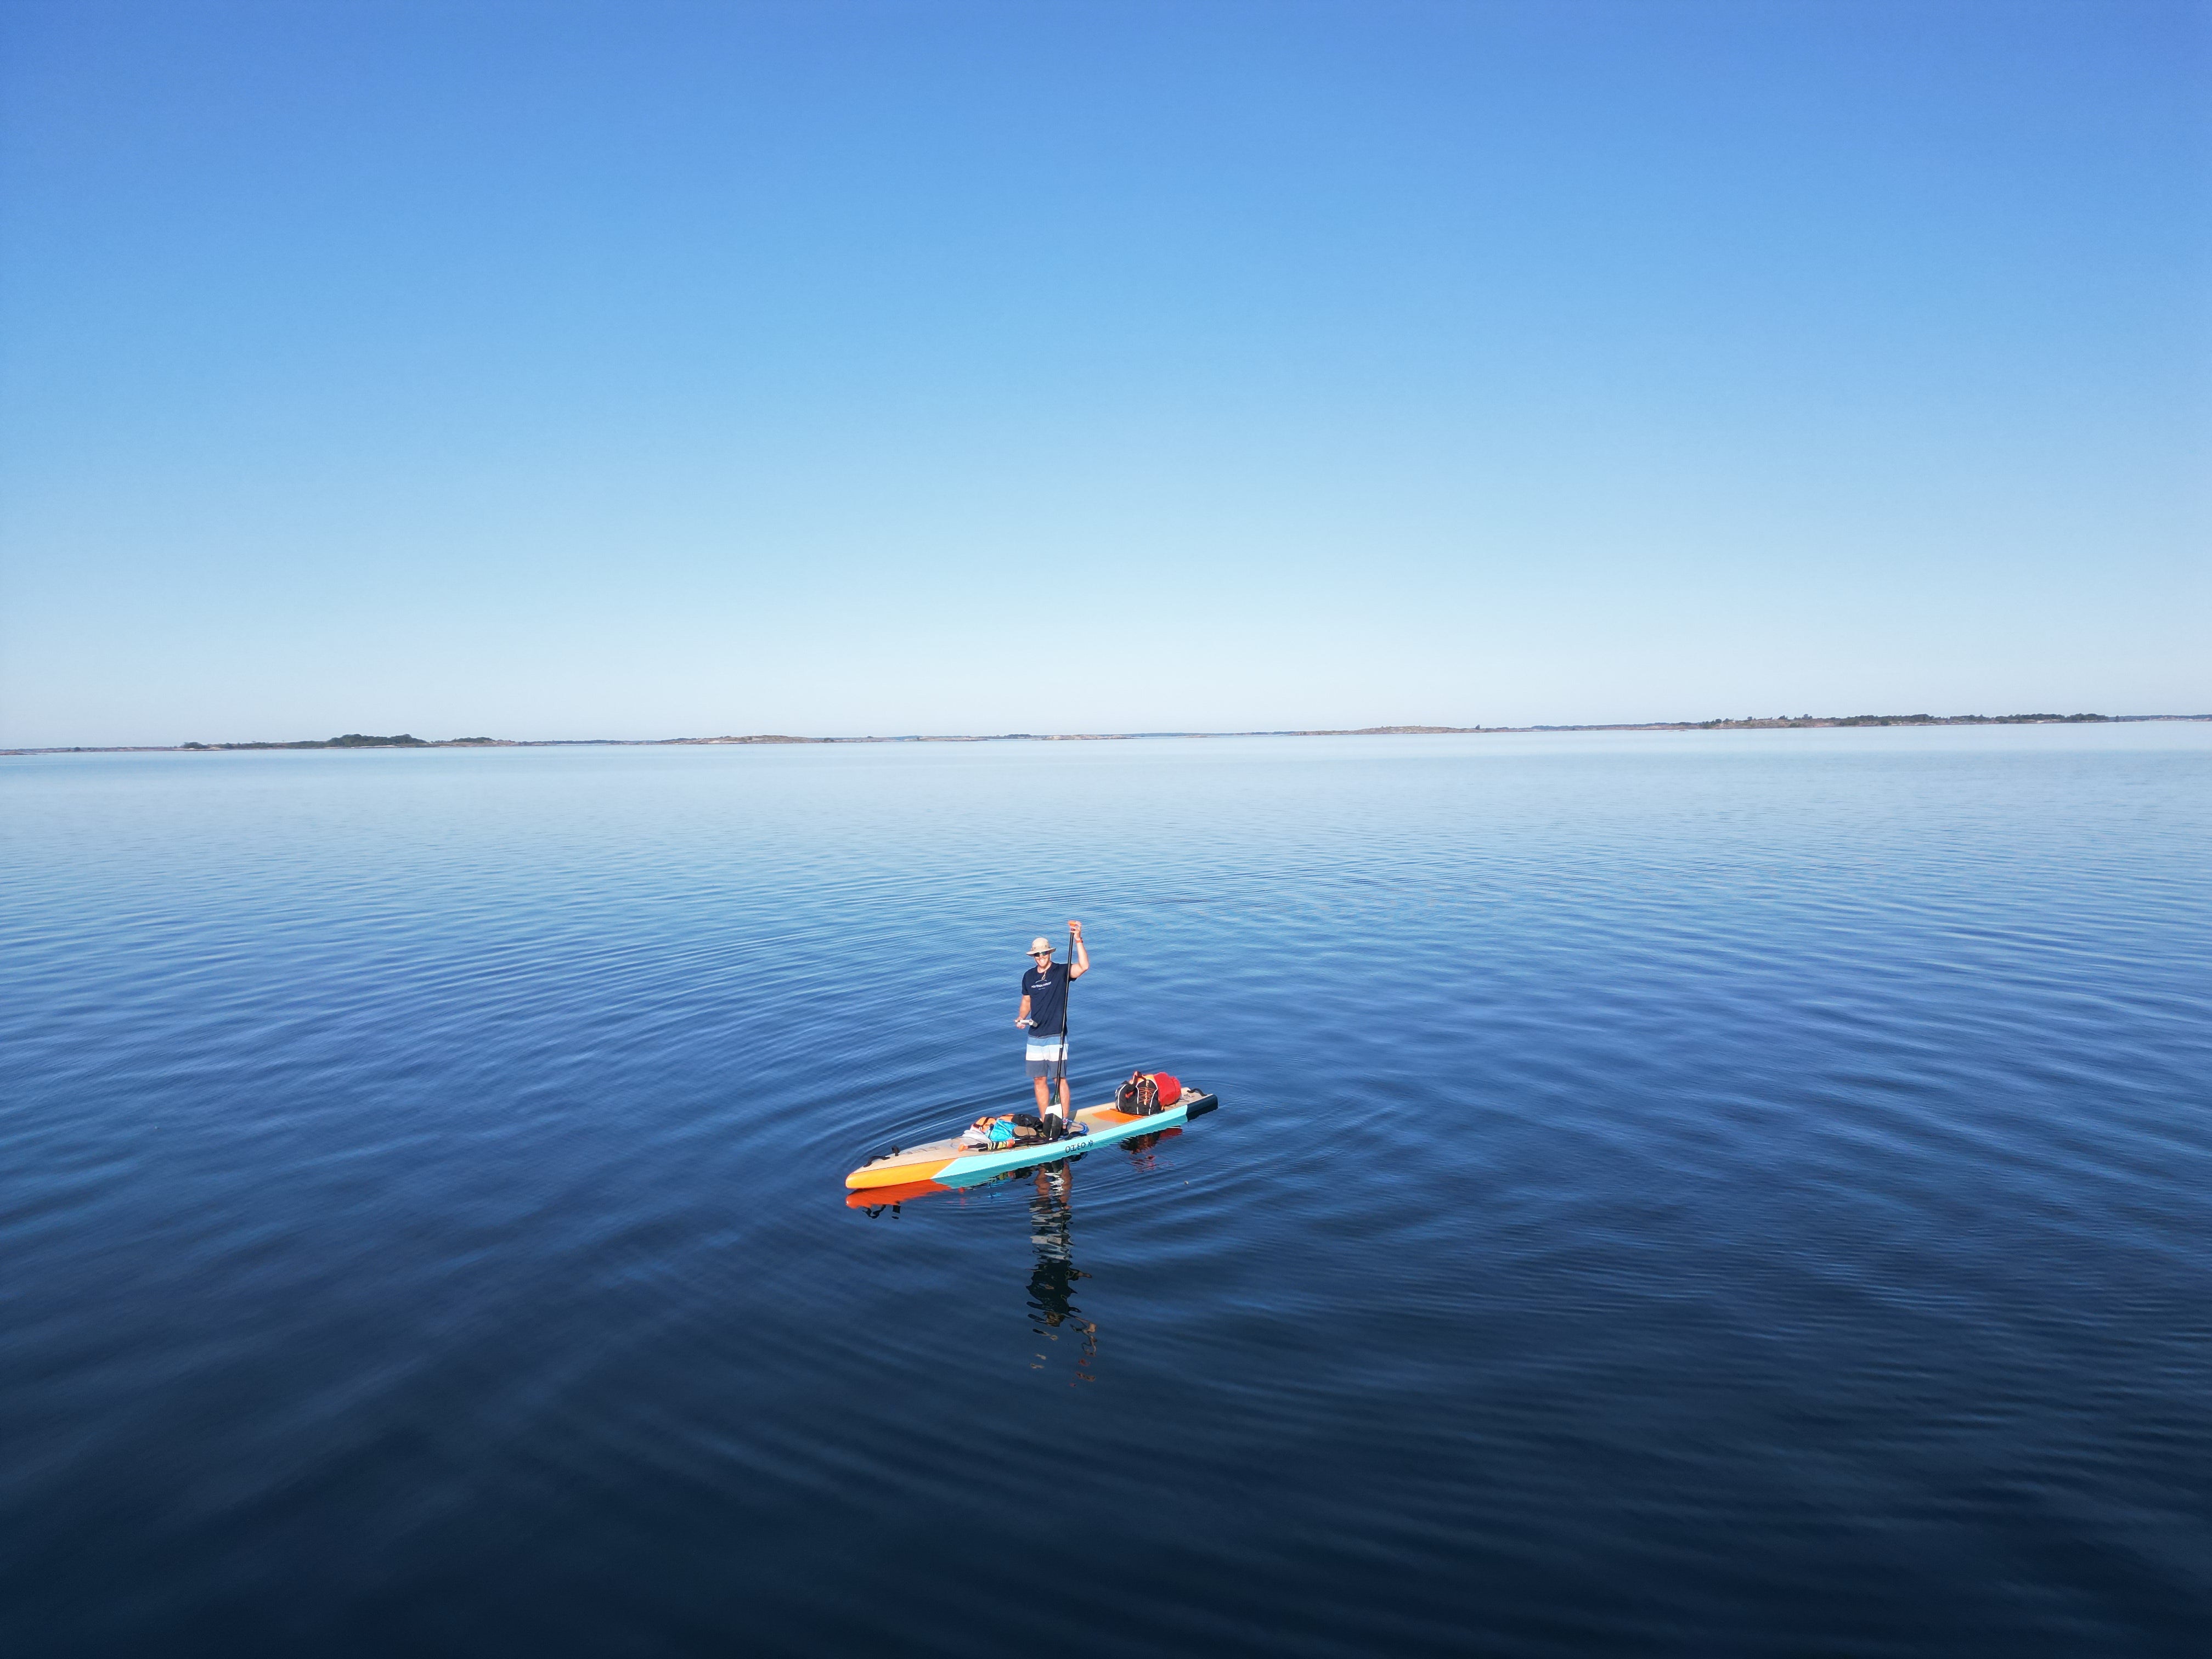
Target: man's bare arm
(1082, 956)
(1023, 1017)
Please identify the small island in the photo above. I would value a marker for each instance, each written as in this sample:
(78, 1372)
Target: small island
(350, 740)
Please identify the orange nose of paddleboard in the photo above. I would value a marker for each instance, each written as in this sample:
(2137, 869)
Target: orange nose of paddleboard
(890, 1173)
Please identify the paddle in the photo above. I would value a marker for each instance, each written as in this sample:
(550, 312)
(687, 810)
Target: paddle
(1066, 996)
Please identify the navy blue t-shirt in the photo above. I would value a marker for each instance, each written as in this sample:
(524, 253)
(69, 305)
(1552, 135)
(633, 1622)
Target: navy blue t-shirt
(1047, 990)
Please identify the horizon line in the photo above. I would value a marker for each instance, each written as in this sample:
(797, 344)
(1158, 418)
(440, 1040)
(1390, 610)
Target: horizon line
(1780, 722)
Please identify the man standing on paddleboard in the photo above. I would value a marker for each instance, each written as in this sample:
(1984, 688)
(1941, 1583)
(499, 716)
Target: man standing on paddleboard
(1044, 1016)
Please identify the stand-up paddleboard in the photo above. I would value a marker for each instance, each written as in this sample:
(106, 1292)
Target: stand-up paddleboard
(955, 1164)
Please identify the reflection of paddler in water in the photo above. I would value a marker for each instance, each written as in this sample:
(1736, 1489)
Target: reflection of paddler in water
(1051, 1218)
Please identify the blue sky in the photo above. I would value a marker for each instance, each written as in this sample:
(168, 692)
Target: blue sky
(644, 369)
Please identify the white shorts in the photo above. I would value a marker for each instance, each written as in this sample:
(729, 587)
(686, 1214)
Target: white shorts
(1048, 1057)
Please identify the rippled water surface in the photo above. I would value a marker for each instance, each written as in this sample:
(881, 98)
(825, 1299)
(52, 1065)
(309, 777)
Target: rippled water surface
(1707, 1195)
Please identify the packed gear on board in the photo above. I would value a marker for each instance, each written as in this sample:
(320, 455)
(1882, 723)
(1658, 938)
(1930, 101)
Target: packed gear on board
(1015, 1130)
(1147, 1092)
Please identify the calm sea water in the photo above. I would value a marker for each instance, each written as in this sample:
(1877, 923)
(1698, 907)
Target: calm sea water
(1701, 1194)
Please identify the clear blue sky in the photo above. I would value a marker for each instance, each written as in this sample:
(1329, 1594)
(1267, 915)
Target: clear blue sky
(839, 366)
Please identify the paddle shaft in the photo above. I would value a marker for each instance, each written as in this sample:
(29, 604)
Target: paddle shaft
(1066, 996)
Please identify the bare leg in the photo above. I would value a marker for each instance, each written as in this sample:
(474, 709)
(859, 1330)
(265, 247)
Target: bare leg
(1064, 1112)
(1043, 1094)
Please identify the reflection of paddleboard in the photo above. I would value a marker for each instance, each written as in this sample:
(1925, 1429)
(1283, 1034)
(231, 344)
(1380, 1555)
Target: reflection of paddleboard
(951, 1163)
(869, 1198)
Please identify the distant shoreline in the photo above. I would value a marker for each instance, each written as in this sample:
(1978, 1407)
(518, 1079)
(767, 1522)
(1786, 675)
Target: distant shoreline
(1780, 723)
